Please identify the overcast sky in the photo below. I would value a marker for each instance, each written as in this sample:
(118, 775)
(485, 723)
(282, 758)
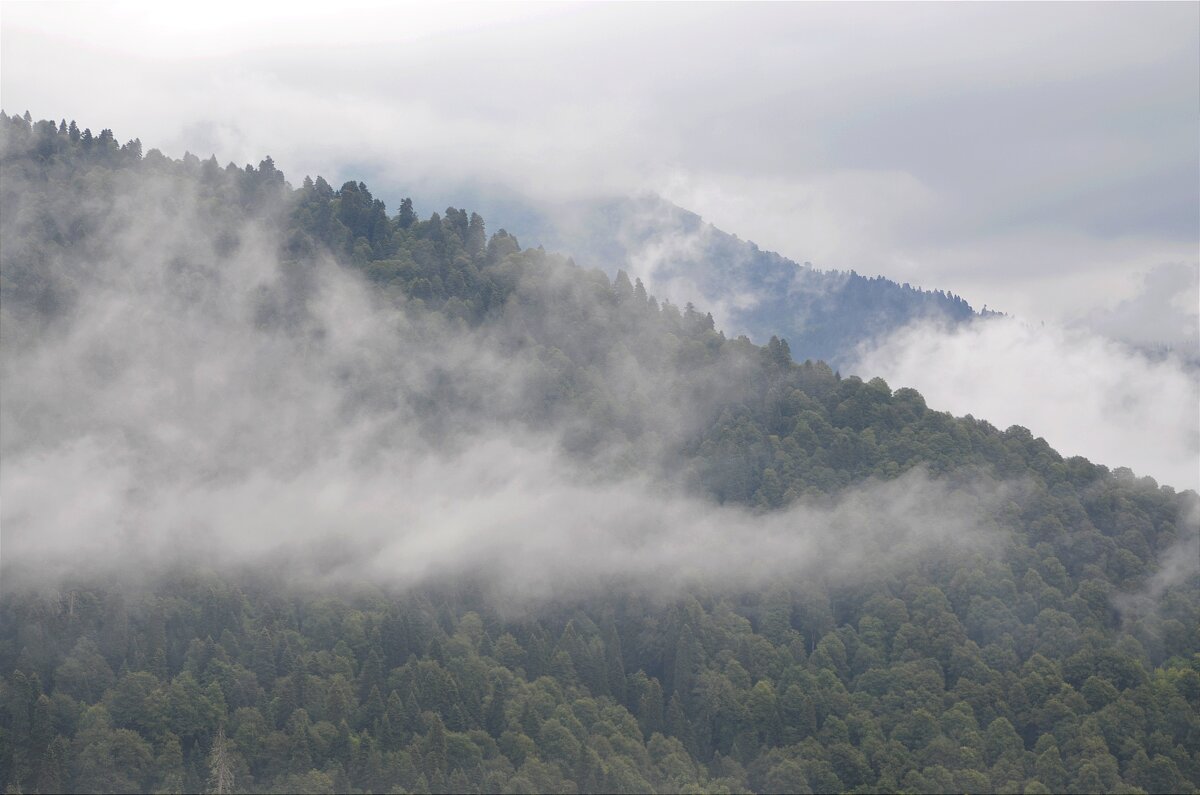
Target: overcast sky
(1038, 158)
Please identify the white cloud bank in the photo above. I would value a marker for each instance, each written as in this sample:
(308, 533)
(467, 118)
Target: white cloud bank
(1164, 313)
(194, 403)
(1085, 394)
(511, 514)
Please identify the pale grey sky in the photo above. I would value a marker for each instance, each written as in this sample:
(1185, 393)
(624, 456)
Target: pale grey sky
(1040, 158)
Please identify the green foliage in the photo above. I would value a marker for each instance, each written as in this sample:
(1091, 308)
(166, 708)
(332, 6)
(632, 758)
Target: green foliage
(1016, 671)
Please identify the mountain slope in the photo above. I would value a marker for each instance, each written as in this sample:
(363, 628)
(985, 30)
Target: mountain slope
(823, 314)
(310, 497)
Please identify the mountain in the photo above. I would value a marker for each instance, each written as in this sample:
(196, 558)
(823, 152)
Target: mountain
(823, 314)
(299, 495)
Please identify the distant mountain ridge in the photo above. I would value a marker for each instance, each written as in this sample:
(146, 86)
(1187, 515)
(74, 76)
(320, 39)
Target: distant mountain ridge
(823, 314)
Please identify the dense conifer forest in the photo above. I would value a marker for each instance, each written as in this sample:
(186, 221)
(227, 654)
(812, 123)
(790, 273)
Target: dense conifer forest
(826, 313)
(1062, 655)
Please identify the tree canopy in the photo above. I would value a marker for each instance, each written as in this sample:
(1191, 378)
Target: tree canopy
(1064, 661)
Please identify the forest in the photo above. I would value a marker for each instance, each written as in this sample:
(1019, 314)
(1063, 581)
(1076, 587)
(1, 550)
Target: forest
(826, 313)
(1062, 655)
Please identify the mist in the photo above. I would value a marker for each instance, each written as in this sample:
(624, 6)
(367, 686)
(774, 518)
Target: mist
(701, 485)
(1010, 154)
(193, 398)
(1161, 315)
(1085, 393)
(1180, 565)
(512, 518)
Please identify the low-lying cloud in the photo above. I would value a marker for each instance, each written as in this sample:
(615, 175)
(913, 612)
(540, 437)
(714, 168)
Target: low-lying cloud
(197, 400)
(1180, 563)
(1086, 394)
(519, 519)
(1164, 314)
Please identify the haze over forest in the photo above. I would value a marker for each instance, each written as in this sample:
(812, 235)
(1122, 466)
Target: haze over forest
(1038, 160)
(312, 483)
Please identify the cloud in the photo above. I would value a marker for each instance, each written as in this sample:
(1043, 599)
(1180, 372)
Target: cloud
(1085, 394)
(199, 401)
(1179, 567)
(1033, 158)
(948, 145)
(1164, 313)
(519, 519)
(845, 220)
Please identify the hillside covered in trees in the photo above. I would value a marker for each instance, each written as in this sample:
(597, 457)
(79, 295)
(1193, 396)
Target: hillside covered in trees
(218, 327)
(825, 314)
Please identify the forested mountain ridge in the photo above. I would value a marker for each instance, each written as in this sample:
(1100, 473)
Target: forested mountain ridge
(825, 314)
(1064, 658)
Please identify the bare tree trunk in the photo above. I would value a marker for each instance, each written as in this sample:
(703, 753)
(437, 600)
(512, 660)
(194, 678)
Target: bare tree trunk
(220, 765)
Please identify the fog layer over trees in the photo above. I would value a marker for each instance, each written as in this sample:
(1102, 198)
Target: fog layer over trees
(302, 495)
